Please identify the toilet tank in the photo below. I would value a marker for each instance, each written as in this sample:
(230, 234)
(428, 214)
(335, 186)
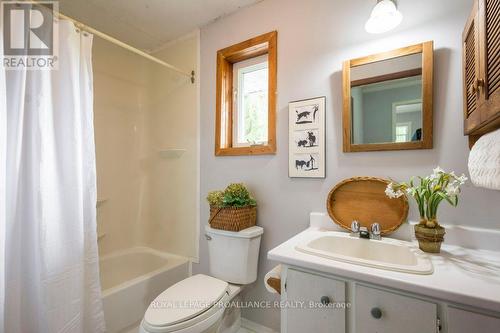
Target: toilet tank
(234, 256)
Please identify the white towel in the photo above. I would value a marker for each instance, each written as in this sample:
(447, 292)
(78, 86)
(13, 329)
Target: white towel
(484, 161)
(273, 273)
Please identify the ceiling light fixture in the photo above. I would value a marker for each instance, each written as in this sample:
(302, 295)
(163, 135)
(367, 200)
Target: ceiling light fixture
(385, 16)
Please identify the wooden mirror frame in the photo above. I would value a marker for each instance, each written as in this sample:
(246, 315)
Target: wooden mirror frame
(426, 49)
(260, 45)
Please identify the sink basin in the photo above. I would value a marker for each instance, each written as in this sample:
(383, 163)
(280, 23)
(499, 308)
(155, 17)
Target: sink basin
(389, 254)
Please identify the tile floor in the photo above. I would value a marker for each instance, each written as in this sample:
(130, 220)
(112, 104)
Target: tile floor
(241, 330)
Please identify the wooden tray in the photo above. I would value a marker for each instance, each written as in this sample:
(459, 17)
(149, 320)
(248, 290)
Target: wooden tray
(363, 199)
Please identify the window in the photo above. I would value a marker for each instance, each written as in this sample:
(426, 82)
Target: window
(403, 131)
(246, 97)
(407, 121)
(250, 102)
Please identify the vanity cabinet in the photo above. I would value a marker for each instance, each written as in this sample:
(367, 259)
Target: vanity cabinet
(481, 69)
(309, 297)
(381, 311)
(321, 302)
(462, 321)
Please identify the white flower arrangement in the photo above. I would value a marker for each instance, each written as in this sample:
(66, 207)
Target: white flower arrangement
(431, 191)
(391, 193)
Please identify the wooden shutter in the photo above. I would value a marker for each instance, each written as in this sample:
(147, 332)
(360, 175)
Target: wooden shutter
(481, 49)
(471, 60)
(492, 27)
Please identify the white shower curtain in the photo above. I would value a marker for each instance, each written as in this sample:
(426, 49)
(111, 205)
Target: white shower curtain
(3, 178)
(48, 245)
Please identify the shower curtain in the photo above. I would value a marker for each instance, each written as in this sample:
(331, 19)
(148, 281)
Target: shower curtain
(49, 275)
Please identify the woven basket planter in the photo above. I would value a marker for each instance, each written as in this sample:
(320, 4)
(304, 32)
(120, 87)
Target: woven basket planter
(429, 239)
(233, 218)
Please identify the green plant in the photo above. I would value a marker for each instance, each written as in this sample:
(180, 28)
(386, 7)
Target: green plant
(235, 195)
(429, 194)
(215, 198)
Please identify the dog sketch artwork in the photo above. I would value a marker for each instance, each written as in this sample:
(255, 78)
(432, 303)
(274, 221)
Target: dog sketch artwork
(306, 138)
(306, 162)
(306, 114)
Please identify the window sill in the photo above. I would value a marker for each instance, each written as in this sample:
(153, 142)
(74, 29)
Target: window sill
(241, 151)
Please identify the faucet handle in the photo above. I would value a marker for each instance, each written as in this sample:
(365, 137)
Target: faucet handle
(355, 226)
(375, 229)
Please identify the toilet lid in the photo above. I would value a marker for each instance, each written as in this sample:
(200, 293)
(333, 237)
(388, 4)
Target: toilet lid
(185, 300)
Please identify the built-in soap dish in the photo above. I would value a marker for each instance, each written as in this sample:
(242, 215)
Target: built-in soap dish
(171, 153)
(100, 202)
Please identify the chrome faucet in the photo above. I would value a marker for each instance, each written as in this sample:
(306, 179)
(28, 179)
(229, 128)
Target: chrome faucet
(358, 231)
(355, 228)
(362, 232)
(375, 231)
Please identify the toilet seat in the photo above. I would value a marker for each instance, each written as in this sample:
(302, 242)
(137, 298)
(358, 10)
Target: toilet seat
(197, 300)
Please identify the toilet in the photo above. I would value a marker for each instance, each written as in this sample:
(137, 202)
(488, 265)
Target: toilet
(197, 303)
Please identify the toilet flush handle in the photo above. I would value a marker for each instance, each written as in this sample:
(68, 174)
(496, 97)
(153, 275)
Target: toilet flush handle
(207, 237)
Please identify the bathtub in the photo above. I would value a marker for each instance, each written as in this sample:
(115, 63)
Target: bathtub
(130, 281)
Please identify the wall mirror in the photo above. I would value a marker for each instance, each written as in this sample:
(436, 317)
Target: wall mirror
(388, 100)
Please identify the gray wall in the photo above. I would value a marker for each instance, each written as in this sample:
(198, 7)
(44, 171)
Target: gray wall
(314, 37)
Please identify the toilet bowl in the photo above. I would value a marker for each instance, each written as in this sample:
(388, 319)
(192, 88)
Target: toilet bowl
(199, 303)
(193, 305)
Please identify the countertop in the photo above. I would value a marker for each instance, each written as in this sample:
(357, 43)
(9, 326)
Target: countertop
(464, 276)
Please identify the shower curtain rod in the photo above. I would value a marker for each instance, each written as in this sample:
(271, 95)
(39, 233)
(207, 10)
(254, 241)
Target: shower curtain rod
(115, 41)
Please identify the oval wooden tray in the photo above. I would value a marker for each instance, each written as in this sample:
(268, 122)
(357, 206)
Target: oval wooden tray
(363, 199)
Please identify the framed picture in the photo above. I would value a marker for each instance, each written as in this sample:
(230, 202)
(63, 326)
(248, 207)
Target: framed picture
(306, 138)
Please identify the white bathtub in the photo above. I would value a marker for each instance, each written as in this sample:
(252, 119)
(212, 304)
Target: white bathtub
(130, 281)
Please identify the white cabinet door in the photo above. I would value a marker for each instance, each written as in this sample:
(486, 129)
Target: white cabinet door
(318, 299)
(378, 311)
(461, 321)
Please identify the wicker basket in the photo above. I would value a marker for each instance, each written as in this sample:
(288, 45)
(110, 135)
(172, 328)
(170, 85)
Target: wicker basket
(429, 239)
(233, 218)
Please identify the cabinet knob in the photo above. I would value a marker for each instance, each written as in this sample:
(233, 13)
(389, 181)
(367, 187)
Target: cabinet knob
(473, 88)
(479, 84)
(325, 300)
(376, 313)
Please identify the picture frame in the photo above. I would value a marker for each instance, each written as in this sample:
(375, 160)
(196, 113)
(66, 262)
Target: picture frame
(306, 138)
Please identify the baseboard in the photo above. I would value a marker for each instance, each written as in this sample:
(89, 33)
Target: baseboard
(254, 327)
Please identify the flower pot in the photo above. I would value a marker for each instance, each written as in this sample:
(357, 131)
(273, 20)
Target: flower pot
(429, 239)
(233, 218)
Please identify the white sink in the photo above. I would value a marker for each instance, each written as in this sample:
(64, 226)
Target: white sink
(389, 254)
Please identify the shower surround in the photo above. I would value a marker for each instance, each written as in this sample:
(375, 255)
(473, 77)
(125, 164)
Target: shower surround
(146, 134)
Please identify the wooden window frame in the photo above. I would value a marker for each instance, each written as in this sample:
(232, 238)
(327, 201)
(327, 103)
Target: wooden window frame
(426, 49)
(254, 47)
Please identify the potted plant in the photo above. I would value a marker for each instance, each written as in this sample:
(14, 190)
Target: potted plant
(429, 193)
(233, 209)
